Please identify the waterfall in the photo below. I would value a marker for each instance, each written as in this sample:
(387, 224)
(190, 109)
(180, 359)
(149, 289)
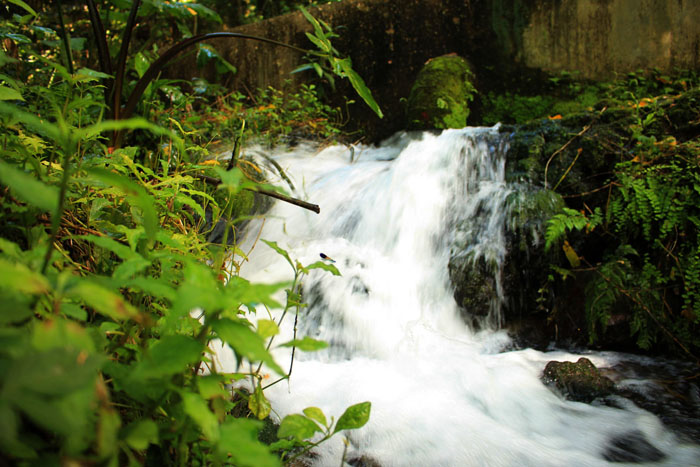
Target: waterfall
(441, 392)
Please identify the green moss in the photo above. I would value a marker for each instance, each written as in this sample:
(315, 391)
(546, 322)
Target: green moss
(441, 94)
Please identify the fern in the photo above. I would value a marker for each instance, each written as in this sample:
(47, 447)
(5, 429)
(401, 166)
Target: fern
(568, 220)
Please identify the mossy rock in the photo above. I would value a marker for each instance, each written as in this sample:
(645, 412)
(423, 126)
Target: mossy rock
(580, 381)
(441, 95)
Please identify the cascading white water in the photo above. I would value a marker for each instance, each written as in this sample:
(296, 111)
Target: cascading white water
(441, 394)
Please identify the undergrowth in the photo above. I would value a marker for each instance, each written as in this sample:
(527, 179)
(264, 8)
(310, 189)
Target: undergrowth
(635, 241)
(111, 293)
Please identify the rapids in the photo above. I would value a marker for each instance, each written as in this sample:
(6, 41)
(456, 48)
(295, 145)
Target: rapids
(441, 393)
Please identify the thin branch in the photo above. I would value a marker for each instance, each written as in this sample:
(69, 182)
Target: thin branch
(273, 194)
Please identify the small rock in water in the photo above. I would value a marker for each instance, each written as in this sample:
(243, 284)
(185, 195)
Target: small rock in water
(580, 381)
(632, 447)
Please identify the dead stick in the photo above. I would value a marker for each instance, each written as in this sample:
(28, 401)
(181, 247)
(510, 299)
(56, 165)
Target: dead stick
(273, 194)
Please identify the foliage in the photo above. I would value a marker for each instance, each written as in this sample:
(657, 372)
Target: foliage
(111, 294)
(568, 94)
(649, 223)
(248, 11)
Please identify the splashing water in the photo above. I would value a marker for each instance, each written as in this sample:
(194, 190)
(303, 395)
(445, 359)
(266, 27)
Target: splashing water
(441, 393)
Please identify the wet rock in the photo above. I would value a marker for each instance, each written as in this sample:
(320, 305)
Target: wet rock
(441, 94)
(474, 283)
(364, 461)
(632, 447)
(580, 381)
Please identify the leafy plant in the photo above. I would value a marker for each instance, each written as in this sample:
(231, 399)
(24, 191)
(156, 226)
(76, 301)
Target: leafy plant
(111, 294)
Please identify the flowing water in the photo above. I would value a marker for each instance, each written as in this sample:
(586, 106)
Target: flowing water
(441, 393)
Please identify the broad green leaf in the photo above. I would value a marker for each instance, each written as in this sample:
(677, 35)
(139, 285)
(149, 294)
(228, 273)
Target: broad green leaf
(198, 409)
(18, 277)
(317, 414)
(245, 342)
(9, 94)
(170, 355)
(61, 334)
(325, 266)
(103, 300)
(75, 311)
(307, 344)
(298, 427)
(140, 434)
(28, 188)
(354, 417)
(267, 328)
(239, 290)
(239, 440)
(258, 403)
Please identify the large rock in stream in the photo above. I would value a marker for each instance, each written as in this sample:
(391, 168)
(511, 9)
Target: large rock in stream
(579, 381)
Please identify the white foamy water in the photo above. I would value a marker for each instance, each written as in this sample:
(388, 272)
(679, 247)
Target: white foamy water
(442, 395)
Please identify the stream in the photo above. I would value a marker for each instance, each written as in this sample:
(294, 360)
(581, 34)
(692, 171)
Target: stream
(442, 393)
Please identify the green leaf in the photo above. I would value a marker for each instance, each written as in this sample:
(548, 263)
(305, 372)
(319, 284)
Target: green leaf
(258, 403)
(17, 276)
(9, 94)
(28, 188)
(130, 267)
(170, 355)
(239, 439)
(119, 249)
(245, 342)
(140, 434)
(107, 429)
(198, 409)
(211, 386)
(136, 196)
(24, 6)
(298, 427)
(267, 328)
(355, 416)
(306, 344)
(360, 87)
(279, 250)
(103, 300)
(317, 414)
(325, 266)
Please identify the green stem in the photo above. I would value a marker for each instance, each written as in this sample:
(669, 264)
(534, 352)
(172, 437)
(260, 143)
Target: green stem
(56, 220)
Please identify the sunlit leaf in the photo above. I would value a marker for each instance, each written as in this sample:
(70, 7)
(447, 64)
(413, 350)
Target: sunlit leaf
(307, 344)
(28, 188)
(245, 342)
(316, 414)
(355, 416)
(17, 276)
(9, 94)
(267, 328)
(298, 427)
(325, 266)
(258, 403)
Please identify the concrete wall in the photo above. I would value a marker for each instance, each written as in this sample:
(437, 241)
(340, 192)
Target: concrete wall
(603, 37)
(512, 44)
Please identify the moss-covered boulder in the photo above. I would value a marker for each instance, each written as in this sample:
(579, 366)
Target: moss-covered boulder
(441, 95)
(580, 381)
